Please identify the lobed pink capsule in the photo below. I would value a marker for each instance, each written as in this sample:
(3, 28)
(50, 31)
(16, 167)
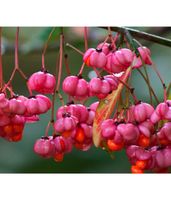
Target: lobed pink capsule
(162, 112)
(44, 147)
(95, 58)
(81, 91)
(42, 82)
(44, 103)
(128, 131)
(110, 67)
(140, 112)
(136, 153)
(99, 87)
(108, 129)
(123, 57)
(83, 113)
(16, 106)
(32, 106)
(36, 105)
(163, 157)
(69, 85)
(119, 61)
(76, 87)
(145, 56)
(62, 145)
(66, 123)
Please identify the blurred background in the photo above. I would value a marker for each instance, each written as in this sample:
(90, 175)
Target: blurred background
(19, 157)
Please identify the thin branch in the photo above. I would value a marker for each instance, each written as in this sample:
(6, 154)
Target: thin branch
(16, 49)
(143, 35)
(45, 47)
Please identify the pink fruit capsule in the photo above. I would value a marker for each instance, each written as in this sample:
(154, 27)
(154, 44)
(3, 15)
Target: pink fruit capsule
(142, 112)
(128, 131)
(66, 123)
(95, 85)
(162, 112)
(32, 106)
(95, 58)
(112, 65)
(81, 91)
(44, 147)
(83, 113)
(69, 85)
(75, 86)
(16, 106)
(99, 87)
(62, 145)
(108, 129)
(44, 104)
(42, 82)
(145, 56)
(123, 57)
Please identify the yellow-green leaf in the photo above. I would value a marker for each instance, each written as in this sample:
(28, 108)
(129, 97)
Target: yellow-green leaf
(106, 107)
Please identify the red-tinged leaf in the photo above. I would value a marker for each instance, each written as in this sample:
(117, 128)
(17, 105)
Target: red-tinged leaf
(106, 107)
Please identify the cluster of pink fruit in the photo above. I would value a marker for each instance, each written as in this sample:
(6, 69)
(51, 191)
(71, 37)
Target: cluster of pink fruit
(106, 57)
(143, 131)
(112, 61)
(17, 111)
(147, 146)
(74, 127)
(137, 133)
(74, 121)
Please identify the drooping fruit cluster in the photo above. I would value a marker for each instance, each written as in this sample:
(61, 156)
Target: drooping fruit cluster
(147, 148)
(80, 89)
(116, 61)
(18, 110)
(74, 125)
(105, 57)
(142, 129)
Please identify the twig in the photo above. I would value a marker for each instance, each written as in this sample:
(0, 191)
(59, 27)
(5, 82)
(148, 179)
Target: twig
(45, 47)
(143, 35)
